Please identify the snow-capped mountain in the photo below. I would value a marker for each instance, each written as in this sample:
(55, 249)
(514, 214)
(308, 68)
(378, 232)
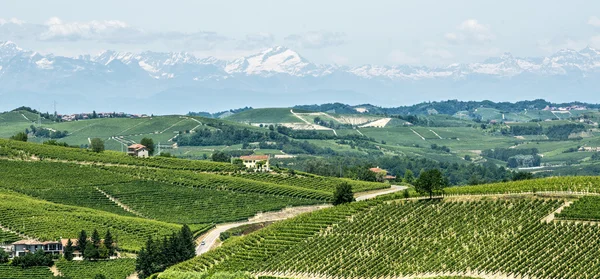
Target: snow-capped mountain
(279, 76)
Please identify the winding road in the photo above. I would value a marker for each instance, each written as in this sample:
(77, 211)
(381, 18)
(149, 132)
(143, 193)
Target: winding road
(210, 238)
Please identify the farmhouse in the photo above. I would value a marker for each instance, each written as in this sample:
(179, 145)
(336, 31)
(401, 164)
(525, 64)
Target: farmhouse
(23, 247)
(256, 162)
(137, 150)
(382, 174)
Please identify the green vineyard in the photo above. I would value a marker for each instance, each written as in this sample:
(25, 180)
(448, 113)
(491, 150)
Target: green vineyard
(585, 209)
(503, 237)
(314, 182)
(11, 272)
(189, 205)
(113, 269)
(49, 221)
(8, 237)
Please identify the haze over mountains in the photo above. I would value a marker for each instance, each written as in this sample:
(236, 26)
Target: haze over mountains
(160, 83)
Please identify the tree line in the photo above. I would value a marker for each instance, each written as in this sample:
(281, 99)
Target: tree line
(159, 254)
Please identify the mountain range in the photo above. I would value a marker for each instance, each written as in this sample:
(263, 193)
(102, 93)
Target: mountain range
(177, 82)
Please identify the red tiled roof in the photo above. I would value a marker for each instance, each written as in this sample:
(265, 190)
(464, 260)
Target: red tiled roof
(376, 170)
(28, 242)
(136, 146)
(255, 157)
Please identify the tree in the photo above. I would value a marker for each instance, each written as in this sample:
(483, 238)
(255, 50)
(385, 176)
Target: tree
(409, 177)
(38, 258)
(431, 182)
(109, 243)
(82, 241)
(220, 156)
(343, 194)
(99, 276)
(3, 256)
(103, 252)
(149, 144)
(20, 136)
(97, 145)
(96, 238)
(91, 252)
(69, 250)
(187, 242)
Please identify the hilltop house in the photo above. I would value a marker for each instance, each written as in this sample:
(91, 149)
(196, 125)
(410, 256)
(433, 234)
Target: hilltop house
(256, 162)
(137, 150)
(22, 247)
(382, 174)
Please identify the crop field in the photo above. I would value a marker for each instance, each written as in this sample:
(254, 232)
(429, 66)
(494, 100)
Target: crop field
(585, 209)
(188, 205)
(49, 221)
(502, 238)
(314, 182)
(268, 115)
(11, 272)
(586, 184)
(113, 269)
(8, 237)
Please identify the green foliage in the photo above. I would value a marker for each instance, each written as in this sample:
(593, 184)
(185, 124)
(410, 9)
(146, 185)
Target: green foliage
(8, 237)
(149, 144)
(586, 209)
(20, 136)
(82, 241)
(158, 255)
(38, 258)
(431, 182)
(3, 256)
(220, 156)
(409, 177)
(561, 184)
(117, 269)
(202, 275)
(69, 249)
(343, 194)
(97, 145)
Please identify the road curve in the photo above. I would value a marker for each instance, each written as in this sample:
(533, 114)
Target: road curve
(210, 238)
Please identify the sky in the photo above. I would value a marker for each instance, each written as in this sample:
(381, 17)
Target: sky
(424, 32)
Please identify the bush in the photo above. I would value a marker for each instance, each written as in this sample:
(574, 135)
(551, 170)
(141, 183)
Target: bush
(39, 258)
(343, 194)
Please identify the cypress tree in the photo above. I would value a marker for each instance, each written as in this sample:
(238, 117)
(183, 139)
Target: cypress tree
(109, 243)
(96, 238)
(188, 243)
(82, 241)
(69, 250)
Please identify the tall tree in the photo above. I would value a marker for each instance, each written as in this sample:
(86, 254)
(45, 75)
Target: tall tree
(82, 241)
(409, 177)
(187, 242)
(149, 144)
(91, 252)
(20, 136)
(3, 256)
(97, 145)
(431, 182)
(343, 194)
(220, 156)
(109, 243)
(69, 250)
(96, 238)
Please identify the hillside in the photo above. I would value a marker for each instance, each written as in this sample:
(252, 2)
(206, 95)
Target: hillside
(493, 237)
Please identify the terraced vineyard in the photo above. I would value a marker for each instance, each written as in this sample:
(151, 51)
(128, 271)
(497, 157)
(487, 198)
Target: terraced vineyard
(585, 209)
(502, 238)
(8, 237)
(68, 184)
(113, 269)
(310, 181)
(197, 205)
(10, 272)
(220, 182)
(111, 157)
(586, 184)
(49, 221)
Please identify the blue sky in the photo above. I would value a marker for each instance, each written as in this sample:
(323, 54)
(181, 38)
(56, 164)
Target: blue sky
(344, 32)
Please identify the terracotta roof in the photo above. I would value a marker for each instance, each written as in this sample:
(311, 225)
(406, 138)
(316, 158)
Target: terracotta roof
(255, 157)
(28, 242)
(136, 146)
(64, 242)
(376, 170)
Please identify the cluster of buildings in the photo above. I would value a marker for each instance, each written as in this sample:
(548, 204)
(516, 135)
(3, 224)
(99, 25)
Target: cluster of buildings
(575, 107)
(87, 115)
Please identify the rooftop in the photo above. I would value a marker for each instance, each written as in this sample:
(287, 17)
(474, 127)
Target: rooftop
(136, 146)
(255, 157)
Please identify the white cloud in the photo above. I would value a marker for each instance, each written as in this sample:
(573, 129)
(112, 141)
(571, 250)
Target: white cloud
(11, 20)
(563, 42)
(594, 21)
(256, 41)
(401, 57)
(470, 31)
(316, 39)
(438, 53)
(105, 31)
